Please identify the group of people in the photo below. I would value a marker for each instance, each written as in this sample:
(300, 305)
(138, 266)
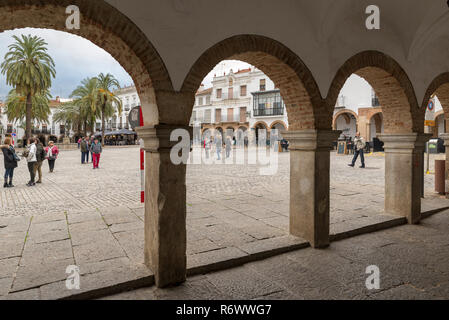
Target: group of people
(93, 146)
(35, 154)
(208, 144)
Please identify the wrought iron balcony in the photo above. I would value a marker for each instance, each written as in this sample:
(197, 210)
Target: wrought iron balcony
(268, 112)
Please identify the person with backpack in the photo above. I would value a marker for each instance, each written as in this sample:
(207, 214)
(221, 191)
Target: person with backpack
(52, 154)
(96, 150)
(40, 156)
(359, 146)
(10, 161)
(30, 155)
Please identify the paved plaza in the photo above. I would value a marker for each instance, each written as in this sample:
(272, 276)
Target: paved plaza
(413, 262)
(93, 219)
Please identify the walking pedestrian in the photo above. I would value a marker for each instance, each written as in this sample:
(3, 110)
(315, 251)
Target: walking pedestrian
(218, 146)
(87, 140)
(30, 155)
(40, 156)
(359, 146)
(10, 161)
(208, 143)
(228, 147)
(79, 142)
(96, 150)
(52, 155)
(84, 151)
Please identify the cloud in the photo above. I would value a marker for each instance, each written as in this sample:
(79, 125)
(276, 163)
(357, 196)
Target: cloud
(75, 58)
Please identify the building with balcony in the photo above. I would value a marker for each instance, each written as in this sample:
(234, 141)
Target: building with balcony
(246, 100)
(130, 99)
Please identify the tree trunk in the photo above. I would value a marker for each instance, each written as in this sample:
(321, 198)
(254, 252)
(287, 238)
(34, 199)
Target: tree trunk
(102, 124)
(28, 118)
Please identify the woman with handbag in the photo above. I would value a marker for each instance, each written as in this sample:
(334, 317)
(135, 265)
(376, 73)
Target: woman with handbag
(52, 154)
(10, 160)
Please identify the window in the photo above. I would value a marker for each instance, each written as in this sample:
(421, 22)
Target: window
(200, 101)
(243, 91)
(262, 85)
(231, 93)
(207, 116)
(231, 82)
(219, 93)
(208, 100)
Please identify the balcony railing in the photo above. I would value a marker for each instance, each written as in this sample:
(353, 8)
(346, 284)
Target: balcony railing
(269, 112)
(375, 102)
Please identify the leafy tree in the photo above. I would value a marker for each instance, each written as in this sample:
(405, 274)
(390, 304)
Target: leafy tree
(29, 69)
(70, 115)
(17, 104)
(107, 99)
(86, 99)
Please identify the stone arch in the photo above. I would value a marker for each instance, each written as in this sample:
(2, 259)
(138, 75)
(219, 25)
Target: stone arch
(440, 88)
(116, 34)
(297, 86)
(261, 123)
(436, 129)
(343, 113)
(279, 122)
(392, 86)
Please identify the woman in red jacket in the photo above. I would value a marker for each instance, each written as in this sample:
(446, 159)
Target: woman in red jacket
(52, 154)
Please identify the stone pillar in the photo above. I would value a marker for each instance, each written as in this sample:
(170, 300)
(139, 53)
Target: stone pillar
(165, 206)
(445, 137)
(309, 184)
(404, 174)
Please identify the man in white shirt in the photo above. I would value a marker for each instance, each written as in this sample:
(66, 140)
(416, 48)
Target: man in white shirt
(32, 161)
(359, 146)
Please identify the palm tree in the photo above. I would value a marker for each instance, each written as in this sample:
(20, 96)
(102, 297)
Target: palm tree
(29, 69)
(107, 99)
(17, 107)
(86, 98)
(70, 115)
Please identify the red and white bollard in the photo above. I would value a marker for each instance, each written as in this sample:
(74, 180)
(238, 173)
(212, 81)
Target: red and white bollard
(142, 161)
(142, 172)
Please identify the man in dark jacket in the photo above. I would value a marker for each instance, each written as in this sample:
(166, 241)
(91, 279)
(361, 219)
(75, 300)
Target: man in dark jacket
(84, 150)
(40, 156)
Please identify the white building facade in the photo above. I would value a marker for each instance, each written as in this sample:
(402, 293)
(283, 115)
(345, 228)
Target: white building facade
(246, 100)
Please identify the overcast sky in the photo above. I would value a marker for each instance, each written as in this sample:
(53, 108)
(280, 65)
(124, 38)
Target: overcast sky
(75, 58)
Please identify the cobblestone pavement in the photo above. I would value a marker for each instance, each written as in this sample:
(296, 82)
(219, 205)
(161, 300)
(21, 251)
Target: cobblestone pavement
(93, 218)
(413, 261)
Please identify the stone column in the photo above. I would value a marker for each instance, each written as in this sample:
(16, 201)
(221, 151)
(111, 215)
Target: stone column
(404, 174)
(309, 184)
(445, 137)
(165, 206)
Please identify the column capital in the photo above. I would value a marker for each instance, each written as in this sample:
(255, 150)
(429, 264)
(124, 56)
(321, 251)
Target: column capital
(157, 138)
(404, 142)
(445, 137)
(311, 140)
